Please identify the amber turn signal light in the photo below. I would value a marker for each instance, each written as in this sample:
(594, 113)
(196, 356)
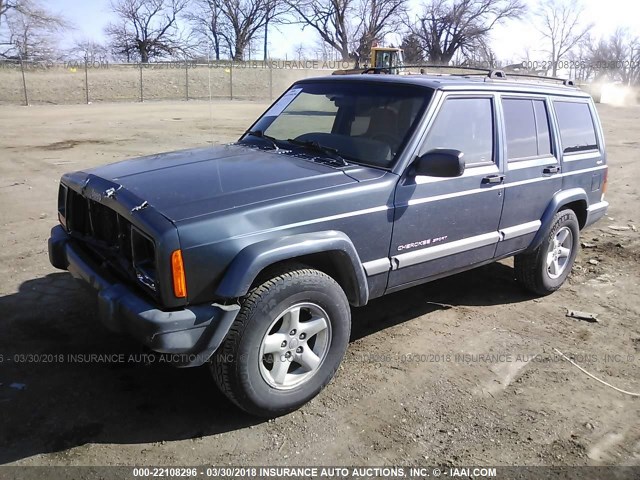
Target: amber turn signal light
(179, 280)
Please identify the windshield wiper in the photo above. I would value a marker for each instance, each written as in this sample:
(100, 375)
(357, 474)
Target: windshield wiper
(260, 134)
(316, 147)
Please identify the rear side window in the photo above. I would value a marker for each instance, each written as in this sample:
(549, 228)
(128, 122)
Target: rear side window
(542, 127)
(577, 131)
(527, 128)
(464, 124)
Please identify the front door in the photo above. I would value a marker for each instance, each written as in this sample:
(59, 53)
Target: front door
(447, 224)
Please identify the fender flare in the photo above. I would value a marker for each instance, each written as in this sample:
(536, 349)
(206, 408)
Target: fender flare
(557, 202)
(251, 260)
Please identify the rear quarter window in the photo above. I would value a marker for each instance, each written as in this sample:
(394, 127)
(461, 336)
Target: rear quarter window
(542, 127)
(577, 131)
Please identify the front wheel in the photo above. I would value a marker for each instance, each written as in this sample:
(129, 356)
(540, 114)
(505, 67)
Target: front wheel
(545, 269)
(286, 343)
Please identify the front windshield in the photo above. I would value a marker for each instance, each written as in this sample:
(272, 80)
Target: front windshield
(361, 122)
(384, 59)
(390, 59)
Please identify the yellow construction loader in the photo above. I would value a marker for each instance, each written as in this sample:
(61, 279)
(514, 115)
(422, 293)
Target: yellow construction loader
(382, 60)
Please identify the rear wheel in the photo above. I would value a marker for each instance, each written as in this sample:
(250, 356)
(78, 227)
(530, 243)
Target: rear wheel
(545, 269)
(286, 343)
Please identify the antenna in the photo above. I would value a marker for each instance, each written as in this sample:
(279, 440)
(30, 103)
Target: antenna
(210, 100)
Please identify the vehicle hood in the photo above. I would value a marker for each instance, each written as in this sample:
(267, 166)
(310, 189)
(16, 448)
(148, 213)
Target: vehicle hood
(191, 183)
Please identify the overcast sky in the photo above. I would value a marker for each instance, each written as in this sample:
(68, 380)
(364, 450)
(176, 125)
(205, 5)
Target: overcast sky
(509, 41)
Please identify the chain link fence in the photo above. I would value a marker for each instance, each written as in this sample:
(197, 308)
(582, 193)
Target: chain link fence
(74, 82)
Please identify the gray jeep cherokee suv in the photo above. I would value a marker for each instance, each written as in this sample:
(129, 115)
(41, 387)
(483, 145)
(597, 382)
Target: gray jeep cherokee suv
(248, 256)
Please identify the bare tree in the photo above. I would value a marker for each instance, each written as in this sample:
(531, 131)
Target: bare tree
(278, 13)
(350, 26)
(329, 19)
(482, 57)
(9, 6)
(615, 57)
(5, 6)
(89, 51)
(559, 23)
(209, 24)
(445, 27)
(246, 18)
(300, 51)
(376, 19)
(30, 30)
(413, 52)
(323, 51)
(146, 28)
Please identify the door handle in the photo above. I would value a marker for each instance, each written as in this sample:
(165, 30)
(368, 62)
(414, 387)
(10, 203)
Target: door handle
(551, 170)
(493, 179)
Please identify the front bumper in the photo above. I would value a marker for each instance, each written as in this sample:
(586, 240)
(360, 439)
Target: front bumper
(191, 334)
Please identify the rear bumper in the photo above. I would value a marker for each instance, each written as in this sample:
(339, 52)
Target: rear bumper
(190, 334)
(595, 212)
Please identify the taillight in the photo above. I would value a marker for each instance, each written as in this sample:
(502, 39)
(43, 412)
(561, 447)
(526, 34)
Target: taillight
(177, 269)
(604, 183)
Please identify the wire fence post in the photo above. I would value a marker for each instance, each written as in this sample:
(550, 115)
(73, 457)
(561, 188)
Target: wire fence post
(186, 79)
(141, 94)
(270, 83)
(231, 80)
(86, 79)
(24, 83)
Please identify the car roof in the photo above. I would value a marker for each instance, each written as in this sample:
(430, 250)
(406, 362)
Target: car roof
(448, 82)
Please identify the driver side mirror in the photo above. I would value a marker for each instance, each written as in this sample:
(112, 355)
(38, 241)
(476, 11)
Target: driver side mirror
(440, 162)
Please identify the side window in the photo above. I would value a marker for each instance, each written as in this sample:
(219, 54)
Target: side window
(577, 131)
(520, 126)
(527, 128)
(542, 126)
(464, 124)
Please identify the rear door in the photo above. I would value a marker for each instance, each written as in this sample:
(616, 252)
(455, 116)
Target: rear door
(446, 224)
(533, 171)
(582, 146)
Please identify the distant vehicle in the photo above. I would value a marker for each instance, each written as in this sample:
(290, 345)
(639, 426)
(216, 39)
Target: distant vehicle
(383, 60)
(248, 256)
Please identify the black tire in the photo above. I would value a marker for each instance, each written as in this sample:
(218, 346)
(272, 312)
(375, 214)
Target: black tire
(239, 368)
(531, 268)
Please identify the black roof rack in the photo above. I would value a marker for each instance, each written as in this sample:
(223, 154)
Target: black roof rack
(495, 73)
(565, 81)
(449, 67)
(481, 71)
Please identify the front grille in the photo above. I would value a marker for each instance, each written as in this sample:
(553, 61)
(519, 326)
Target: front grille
(78, 210)
(113, 239)
(105, 223)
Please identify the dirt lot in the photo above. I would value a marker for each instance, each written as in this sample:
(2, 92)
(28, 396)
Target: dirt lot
(404, 395)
